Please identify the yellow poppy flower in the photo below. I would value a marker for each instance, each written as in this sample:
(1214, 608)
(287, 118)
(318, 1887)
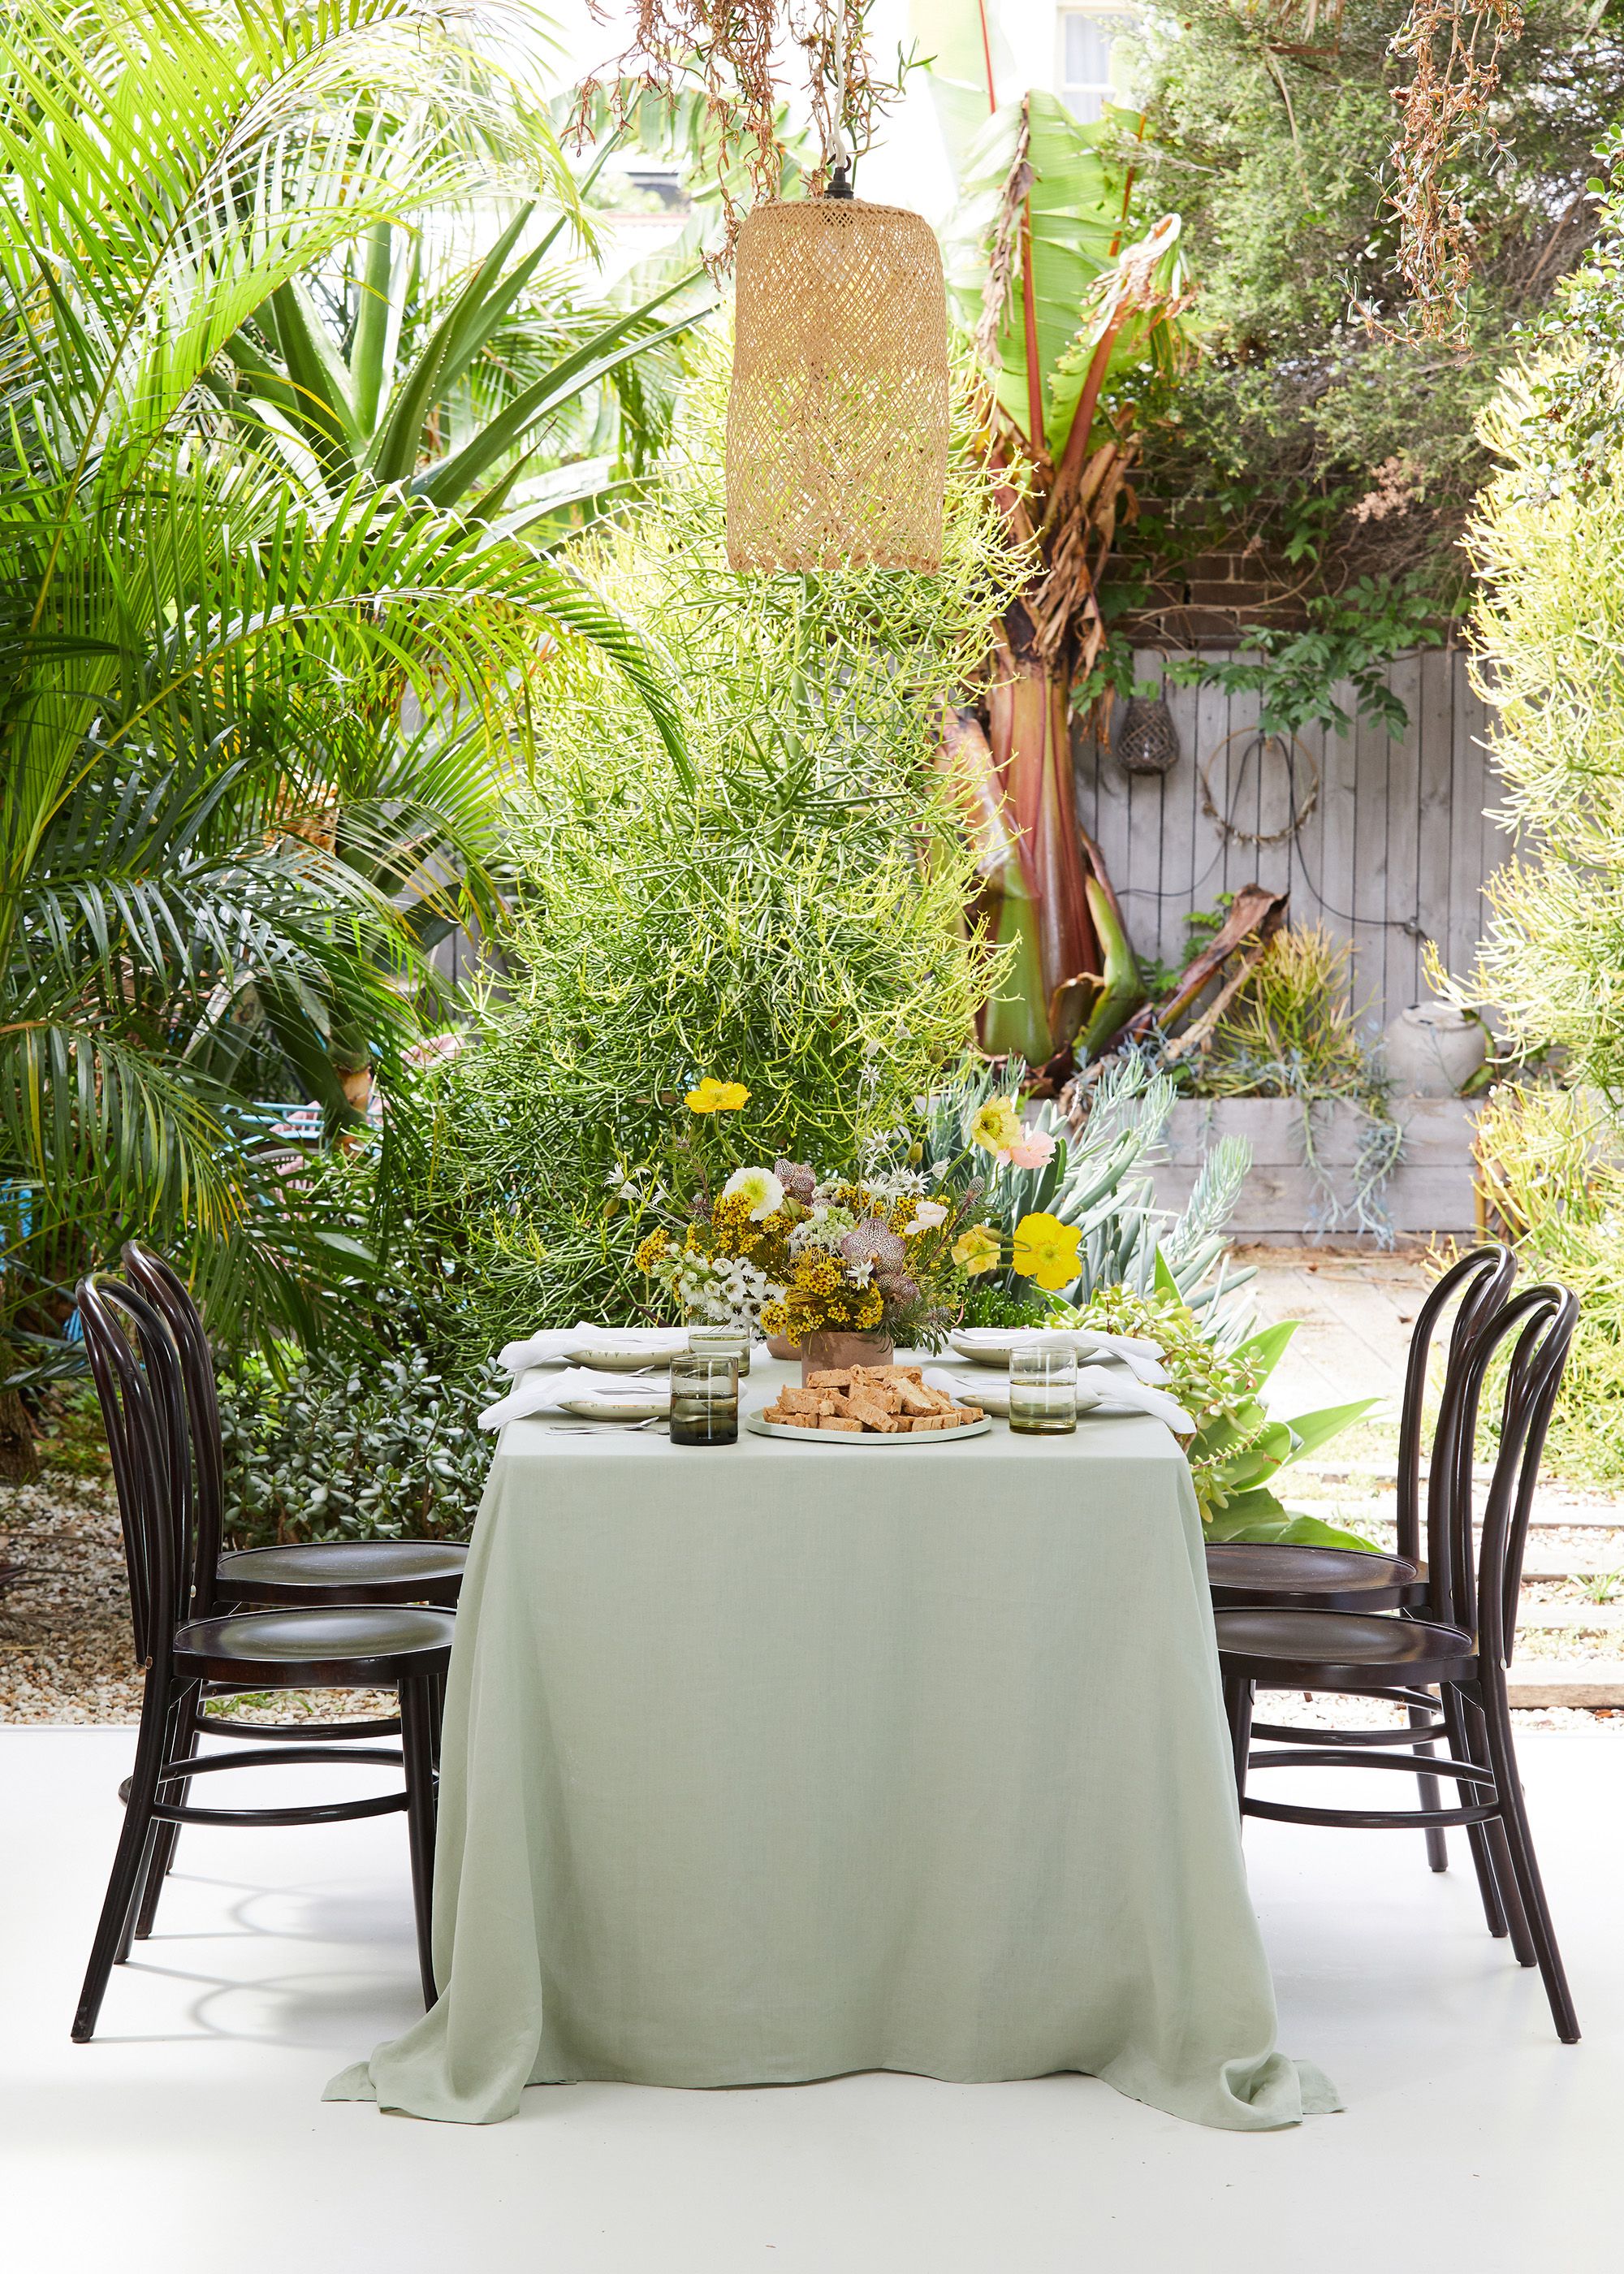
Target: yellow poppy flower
(714, 1096)
(994, 1127)
(977, 1250)
(1046, 1251)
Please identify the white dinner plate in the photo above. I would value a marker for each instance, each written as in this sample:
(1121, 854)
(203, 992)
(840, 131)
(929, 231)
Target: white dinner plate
(760, 1429)
(987, 1353)
(624, 1361)
(994, 1397)
(619, 1409)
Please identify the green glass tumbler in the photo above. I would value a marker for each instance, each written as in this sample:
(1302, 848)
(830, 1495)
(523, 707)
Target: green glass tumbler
(1042, 1392)
(705, 1401)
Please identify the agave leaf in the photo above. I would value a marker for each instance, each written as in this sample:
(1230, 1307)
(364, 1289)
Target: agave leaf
(1312, 1430)
(1269, 1347)
(1259, 1516)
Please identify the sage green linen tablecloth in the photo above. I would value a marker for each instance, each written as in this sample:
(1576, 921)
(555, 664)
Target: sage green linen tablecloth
(779, 1761)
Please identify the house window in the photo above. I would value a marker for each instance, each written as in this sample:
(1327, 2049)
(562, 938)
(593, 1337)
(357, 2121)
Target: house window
(1086, 35)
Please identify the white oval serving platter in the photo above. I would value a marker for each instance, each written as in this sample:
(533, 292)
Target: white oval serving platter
(760, 1429)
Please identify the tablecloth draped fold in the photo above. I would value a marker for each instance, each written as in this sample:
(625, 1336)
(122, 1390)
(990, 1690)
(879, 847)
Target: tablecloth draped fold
(764, 1765)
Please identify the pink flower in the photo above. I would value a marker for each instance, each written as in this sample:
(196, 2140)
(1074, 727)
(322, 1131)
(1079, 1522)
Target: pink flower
(1034, 1151)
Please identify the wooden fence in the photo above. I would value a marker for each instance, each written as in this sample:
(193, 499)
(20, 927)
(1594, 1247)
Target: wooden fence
(1393, 851)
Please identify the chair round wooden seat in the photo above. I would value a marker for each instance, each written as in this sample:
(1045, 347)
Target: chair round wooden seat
(348, 1646)
(1341, 1649)
(1244, 1572)
(345, 1571)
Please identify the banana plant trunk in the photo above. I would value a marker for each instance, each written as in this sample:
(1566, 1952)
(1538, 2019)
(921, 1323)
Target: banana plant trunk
(1041, 899)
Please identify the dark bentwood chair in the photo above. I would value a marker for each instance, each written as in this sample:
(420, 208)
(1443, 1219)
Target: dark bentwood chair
(189, 1653)
(1246, 1576)
(303, 1577)
(1458, 1641)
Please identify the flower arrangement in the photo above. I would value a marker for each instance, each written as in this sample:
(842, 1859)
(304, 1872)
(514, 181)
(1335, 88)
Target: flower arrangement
(795, 1254)
(888, 1250)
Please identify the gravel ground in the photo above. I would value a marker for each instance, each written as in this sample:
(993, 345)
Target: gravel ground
(66, 1654)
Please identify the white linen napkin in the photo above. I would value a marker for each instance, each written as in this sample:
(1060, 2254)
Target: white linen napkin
(1141, 1357)
(1109, 1389)
(552, 1343)
(545, 1393)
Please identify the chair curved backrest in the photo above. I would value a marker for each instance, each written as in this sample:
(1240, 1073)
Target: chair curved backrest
(1481, 1280)
(1543, 1320)
(136, 1372)
(168, 1293)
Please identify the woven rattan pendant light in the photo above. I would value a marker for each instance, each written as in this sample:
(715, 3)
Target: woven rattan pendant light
(837, 423)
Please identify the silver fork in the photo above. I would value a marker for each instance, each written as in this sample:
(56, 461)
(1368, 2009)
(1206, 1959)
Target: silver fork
(591, 1428)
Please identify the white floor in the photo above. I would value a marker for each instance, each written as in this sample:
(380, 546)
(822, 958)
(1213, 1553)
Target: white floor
(191, 2133)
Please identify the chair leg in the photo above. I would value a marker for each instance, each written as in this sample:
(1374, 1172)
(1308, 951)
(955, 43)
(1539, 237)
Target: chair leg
(1238, 1694)
(134, 1849)
(1437, 1845)
(182, 1743)
(418, 1748)
(1513, 1817)
(1498, 1845)
(1503, 1906)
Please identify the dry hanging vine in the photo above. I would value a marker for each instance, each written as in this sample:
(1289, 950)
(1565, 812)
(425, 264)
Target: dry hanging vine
(727, 51)
(1454, 49)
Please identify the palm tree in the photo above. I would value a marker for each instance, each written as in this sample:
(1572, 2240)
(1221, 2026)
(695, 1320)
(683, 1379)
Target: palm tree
(249, 731)
(1068, 322)
(463, 393)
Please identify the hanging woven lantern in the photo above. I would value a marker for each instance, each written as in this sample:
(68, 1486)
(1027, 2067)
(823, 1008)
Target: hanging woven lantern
(837, 423)
(1147, 739)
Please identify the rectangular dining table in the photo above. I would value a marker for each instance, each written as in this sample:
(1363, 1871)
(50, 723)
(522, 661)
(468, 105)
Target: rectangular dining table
(779, 1760)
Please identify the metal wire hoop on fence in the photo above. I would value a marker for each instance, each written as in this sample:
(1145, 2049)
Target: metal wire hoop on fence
(1299, 766)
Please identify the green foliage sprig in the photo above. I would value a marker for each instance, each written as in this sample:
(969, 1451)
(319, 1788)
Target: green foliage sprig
(1237, 1450)
(1351, 639)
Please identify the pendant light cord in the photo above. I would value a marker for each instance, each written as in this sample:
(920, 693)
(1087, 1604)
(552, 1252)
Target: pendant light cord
(839, 182)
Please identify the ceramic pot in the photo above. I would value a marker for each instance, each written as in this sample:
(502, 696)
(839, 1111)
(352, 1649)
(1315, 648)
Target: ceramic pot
(822, 1353)
(779, 1346)
(1433, 1049)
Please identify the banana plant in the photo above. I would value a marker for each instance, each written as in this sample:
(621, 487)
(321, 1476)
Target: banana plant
(432, 408)
(1066, 318)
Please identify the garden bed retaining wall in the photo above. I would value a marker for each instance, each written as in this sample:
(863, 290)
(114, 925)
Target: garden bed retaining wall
(1429, 1191)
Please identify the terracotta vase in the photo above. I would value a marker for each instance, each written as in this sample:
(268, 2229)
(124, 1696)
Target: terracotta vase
(822, 1353)
(779, 1346)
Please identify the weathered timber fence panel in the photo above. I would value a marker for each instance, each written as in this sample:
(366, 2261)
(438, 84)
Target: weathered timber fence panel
(1394, 852)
